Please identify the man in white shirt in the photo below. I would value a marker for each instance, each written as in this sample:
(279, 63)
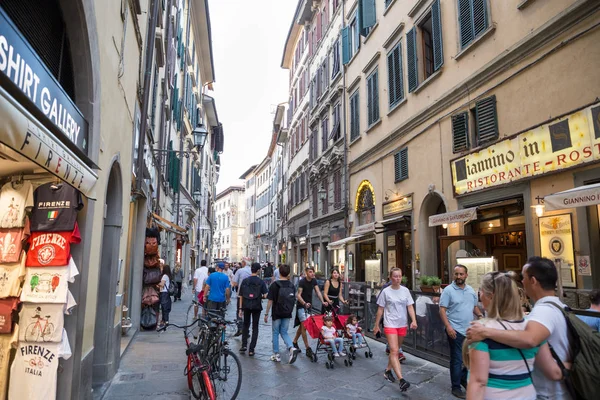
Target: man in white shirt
(545, 322)
(200, 276)
(238, 278)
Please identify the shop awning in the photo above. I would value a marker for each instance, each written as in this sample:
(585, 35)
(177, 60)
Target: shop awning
(468, 214)
(340, 244)
(582, 196)
(168, 225)
(392, 220)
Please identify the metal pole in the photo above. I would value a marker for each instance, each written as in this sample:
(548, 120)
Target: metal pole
(346, 177)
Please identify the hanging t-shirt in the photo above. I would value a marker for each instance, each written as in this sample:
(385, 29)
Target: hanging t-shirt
(49, 284)
(7, 306)
(55, 208)
(7, 342)
(43, 322)
(51, 249)
(11, 276)
(15, 198)
(33, 373)
(11, 242)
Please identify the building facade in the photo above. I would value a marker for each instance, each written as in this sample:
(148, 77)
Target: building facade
(230, 229)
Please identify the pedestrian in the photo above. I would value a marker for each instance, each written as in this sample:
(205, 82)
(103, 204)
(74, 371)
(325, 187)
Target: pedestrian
(354, 331)
(401, 356)
(593, 322)
(268, 273)
(238, 279)
(252, 291)
(165, 298)
(395, 300)
(217, 289)
(545, 322)
(229, 272)
(178, 279)
(200, 276)
(330, 337)
(282, 298)
(306, 286)
(504, 372)
(276, 275)
(458, 303)
(332, 292)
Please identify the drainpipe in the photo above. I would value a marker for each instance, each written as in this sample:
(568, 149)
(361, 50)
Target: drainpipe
(346, 177)
(150, 34)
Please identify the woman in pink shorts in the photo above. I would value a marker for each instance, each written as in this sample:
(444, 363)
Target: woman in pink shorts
(395, 300)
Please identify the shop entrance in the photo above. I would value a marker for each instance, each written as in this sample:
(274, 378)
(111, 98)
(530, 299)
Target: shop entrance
(366, 252)
(107, 327)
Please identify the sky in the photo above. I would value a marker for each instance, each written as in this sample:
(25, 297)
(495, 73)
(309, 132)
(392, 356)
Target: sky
(248, 39)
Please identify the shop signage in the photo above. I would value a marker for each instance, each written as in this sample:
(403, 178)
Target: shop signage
(468, 214)
(366, 228)
(556, 243)
(563, 143)
(302, 240)
(26, 72)
(397, 206)
(582, 196)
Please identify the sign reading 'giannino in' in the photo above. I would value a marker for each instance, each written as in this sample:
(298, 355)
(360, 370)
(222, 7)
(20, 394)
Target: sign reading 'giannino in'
(560, 144)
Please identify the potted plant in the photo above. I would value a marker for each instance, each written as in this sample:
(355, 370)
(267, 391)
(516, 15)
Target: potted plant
(404, 280)
(435, 283)
(425, 283)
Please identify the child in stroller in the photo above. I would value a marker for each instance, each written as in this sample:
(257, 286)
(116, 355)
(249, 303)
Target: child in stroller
(322, 327)
(354, 331)
(330, 337)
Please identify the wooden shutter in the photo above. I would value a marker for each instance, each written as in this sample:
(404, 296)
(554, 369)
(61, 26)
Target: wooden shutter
(479, 8)
(337, 190)
(346, 45)
(411, 59)
(375, 96)
(465, 22)
(436, 28)
(369, 100)
(367, 12)
(315, 208)
(486, 120)
(401, 165)
(460, 132)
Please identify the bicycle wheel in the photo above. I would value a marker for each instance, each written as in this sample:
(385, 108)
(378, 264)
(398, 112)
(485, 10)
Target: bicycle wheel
(192, 332)
(32, 333)
(226, 375)
(199, 381)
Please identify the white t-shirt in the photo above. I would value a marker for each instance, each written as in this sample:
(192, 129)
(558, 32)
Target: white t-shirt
(328, 333)
(33, 373)
(48, 284)
(44, 322)
(352, 328)
(14, 199)
(201, 274)
(549, 316)
(394, 303)
(421, 305)
(11, 277)
(167, 282)
(7, 342)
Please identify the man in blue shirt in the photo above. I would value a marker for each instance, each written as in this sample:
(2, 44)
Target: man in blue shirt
(217, 290)
(457, 306)
(593, 322)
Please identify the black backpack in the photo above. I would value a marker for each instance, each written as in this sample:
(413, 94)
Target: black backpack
(252, 293)
(286, 299)
(268, 271)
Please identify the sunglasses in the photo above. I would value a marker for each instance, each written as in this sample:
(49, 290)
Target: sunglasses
(494, 275)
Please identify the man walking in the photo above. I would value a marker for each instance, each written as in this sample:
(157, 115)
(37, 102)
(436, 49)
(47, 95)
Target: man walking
(268, 273)
(251, 293)
(217, 290)
(200, 276)
(304, 297)
(238, 279)
(457, 306)
(593, 322)
(178, 279)
(282, 298)
(545, 322)
(229, 272)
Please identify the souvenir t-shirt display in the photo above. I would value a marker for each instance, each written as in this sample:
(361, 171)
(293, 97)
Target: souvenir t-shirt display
(7, 306)
(55, 208)
(51, 249)
(11, 275)
(11, 242)
(15, 198)
(43, 322)
(7, 342)
(33, 373)
(48, 284)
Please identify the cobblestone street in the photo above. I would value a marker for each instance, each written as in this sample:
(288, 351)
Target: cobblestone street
(153, 365)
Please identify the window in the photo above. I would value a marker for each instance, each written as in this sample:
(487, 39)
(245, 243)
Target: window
(373, 98)
(335, 59)
(401, 165)
(460, 132)
(325, 186)
(424, 48)
(486, 120)
(395, 78)
(354, 116)
(354, 37)
(368, 15)
(387, 3)
(336, 130)
(315, 205)
(324, 133)
(472, 20)
(337, 189)
(312, 145)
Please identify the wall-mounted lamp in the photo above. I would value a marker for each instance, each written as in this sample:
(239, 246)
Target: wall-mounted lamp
(445, 226)
(378, 254)
(387, 196)
(539, 209)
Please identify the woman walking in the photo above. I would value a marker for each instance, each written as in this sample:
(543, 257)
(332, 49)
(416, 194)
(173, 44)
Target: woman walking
(395, 300)
(332, 292)
(498, 371)
(178, 279)
(165, 298)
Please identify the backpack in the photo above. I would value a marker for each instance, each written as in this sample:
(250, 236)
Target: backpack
(172, 288)
(268, 271)
(286, 299)
(252, 294)
(582, 379)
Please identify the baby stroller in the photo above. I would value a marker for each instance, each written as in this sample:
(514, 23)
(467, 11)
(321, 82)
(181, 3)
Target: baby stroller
(313, 325)
(340, 324)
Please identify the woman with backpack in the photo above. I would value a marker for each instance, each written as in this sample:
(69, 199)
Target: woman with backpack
(165, 297)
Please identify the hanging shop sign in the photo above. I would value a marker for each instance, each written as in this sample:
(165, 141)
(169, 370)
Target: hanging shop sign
(23, 70)
(468, 214)
(397, 206)
(556, 240)
(563, 143)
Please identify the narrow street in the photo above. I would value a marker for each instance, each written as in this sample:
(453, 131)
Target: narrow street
(153, 366)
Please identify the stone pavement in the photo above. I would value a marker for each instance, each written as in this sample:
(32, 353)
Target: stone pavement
(153, 366)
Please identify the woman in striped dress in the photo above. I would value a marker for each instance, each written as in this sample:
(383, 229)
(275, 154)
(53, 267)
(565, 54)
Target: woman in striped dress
(497, 371)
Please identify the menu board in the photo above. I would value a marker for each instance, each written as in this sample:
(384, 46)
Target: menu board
(478, 267)
(372, 271)
(556, 243)
(391, 258)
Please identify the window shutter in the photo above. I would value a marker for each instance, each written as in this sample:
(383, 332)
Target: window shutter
(401, 165)
(411, 54)
(369, 100)
(326, 201)
(375, 96)
(479, 17)
(315, 210)
(465, 24)
(367, 12)
(436, 28)
(486, 120)
(391, 77)
(460, 132)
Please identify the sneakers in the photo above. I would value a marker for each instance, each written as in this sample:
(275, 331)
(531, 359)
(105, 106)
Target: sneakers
(343, 354)
(293, 354)
(251, 353)
(309, 352)
(401, 357)
(276, 358)
(458, 392)
(296, 347)
(363, 345)
(389, 376)
(243, 349)
(404, 385)
(336, 354)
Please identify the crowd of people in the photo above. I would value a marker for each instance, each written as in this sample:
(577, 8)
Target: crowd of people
(500, 347)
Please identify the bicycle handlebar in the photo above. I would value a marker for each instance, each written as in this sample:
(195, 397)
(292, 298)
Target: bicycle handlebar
(216, 318)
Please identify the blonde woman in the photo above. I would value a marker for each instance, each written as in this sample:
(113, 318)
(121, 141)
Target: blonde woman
(498, 371)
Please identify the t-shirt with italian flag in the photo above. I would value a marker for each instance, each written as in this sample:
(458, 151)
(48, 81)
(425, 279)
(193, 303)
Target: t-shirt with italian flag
(49, 284)
(55, 208)
(50, 249)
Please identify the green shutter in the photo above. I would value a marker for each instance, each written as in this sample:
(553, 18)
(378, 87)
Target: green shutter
(465, 22)
(460, 132)
(346, 45)
(368, 14)
(391, 64)
(479, 8)
(375, 96)
(401, 165)
(436, 28)
(486, 120)
(395, 78)
(411, 59)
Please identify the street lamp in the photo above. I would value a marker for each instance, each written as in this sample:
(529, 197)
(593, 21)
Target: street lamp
(322, 193)
(199, 134)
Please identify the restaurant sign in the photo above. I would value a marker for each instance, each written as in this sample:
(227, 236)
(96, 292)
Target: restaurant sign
(560, 144)
(397, 206)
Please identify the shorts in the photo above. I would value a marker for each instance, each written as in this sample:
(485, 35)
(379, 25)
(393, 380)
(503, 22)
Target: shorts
(201, 297)
(302, 314)
(395, 331)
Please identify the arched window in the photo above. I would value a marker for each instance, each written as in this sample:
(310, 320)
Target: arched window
(365, 206)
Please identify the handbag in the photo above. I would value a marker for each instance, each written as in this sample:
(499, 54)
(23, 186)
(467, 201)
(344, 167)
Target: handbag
(151, 246)
(149, 296)
(149, 317)
(152, 276)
